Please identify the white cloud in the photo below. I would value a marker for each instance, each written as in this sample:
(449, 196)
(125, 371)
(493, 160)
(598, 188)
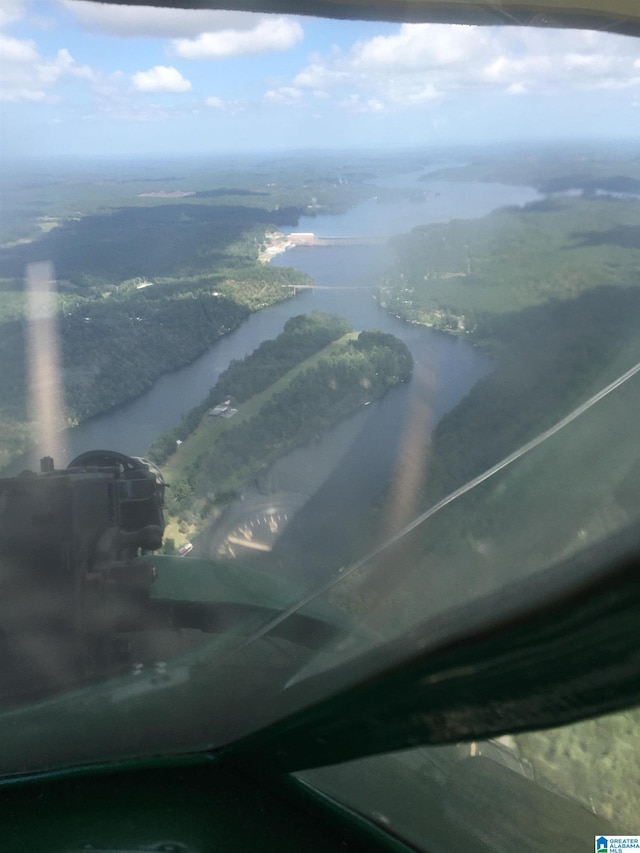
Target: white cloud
(11, 11)
(160, 78)
(356, 104)
(268, 34)
(320, 76)
(25, 75)
(286, 95)
(417, 47)
(421, 64)
(233, 107)
(15, 51)
(66, 64)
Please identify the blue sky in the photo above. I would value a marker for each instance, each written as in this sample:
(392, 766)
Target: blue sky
(80, 78)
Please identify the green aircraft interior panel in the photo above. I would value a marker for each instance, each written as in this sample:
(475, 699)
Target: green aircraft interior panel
(203, 809)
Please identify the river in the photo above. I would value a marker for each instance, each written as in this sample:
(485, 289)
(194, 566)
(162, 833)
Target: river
(309, 506)
(327, 487)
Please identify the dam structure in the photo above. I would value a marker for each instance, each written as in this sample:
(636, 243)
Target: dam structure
(310, 239)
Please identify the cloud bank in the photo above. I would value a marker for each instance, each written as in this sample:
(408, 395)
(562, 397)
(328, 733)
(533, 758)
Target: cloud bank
(421, 64)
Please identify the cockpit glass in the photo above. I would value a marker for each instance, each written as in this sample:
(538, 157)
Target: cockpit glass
(311, 332)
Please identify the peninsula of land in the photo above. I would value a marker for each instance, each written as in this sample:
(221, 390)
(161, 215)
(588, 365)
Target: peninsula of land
(315, 373)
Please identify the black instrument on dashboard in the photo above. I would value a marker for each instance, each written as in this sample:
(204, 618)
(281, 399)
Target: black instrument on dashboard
(75, 568)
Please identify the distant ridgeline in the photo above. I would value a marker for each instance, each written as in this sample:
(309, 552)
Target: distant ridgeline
(317, 372)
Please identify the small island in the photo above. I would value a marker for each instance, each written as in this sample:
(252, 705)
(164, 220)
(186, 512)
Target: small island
(315, 373)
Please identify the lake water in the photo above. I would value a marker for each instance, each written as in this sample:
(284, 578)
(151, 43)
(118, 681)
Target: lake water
(318, 493)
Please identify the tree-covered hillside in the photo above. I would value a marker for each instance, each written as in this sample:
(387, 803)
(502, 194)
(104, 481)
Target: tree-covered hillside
(140, 290)
(552, 292)
(302, 337)
(459, 275)
(313, 375)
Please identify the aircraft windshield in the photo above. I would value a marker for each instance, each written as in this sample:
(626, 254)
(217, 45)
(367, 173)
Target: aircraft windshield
(314, 334)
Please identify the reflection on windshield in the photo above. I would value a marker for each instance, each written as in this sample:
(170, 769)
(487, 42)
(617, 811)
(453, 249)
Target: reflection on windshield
(265, 413)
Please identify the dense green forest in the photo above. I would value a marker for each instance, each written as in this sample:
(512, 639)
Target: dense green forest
(550, 290)
(459, 276)
(288, 404)
(314, 400)
(114, 348)
(99, 251)
(302, 337)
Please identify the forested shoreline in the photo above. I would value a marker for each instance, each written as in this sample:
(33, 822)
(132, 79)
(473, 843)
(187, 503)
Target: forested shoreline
(550, 291)
(140, 291)
(316, 373)
(302, 337)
